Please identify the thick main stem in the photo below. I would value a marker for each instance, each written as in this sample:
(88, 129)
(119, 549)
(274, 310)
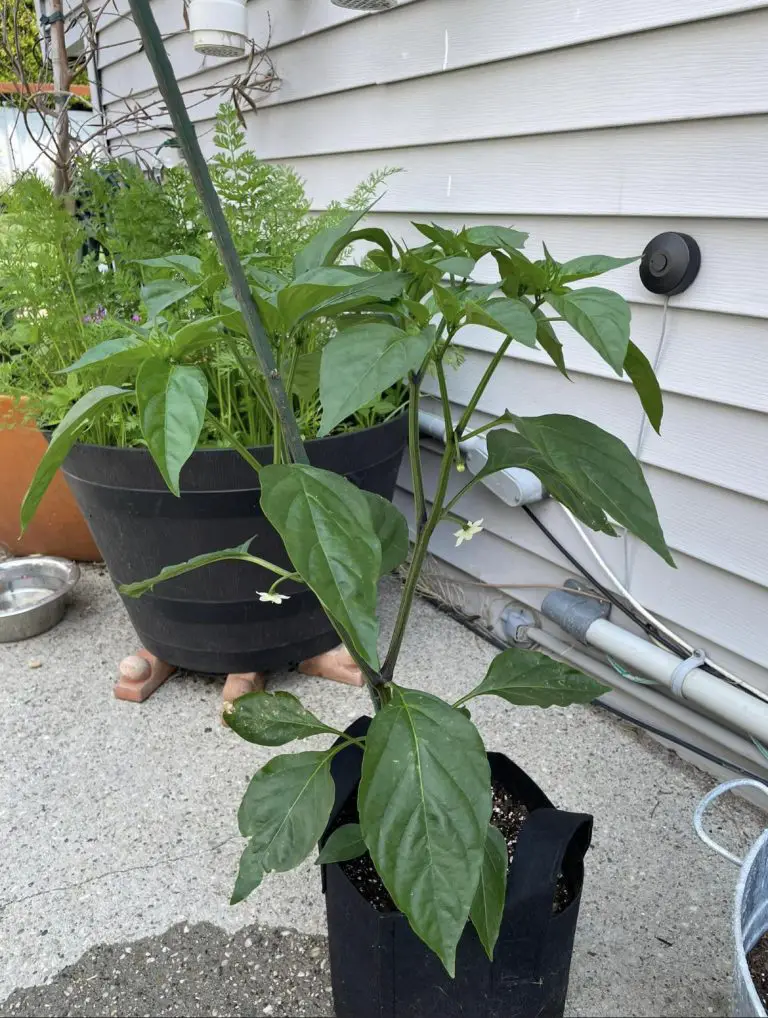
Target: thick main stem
(190, 146)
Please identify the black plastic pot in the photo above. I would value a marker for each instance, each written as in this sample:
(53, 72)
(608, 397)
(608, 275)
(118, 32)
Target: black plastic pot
(379, 967)
(211, 620)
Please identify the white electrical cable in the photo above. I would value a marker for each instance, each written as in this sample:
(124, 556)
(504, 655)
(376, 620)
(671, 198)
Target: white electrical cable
(649, 617)
(642, 433)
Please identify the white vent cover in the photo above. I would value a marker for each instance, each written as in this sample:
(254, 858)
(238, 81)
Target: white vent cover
(366, 5)
(219, 27)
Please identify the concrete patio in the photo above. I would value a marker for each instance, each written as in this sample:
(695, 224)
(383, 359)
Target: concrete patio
(120, 841)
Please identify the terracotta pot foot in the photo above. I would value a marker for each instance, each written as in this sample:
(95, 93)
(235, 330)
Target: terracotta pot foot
(140, 675)
(337, 664)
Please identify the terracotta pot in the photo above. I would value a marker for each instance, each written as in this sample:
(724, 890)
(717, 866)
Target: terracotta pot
(58, 527)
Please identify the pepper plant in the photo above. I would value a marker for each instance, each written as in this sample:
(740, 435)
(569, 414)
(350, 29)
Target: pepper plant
(424, 800)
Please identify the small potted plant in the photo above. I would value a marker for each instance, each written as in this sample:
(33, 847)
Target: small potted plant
(448, 875)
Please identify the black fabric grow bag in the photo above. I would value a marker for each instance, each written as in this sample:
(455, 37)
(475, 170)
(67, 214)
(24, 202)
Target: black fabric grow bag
(211, 620)
(379, 967)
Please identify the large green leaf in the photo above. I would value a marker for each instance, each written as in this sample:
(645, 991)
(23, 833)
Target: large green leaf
(490, 897)
(599, 468)
(528, 679)
(324, 243)
(512, 317)
(238, 554)
(345, 843)
(77, 419)
(424, 804)
(587, 266)
(326, 526)
(358, 364)
(119, 352)
(602, 317)
(642, 375)
(273, 719)
(373, 235)
(509, 449)
(286, 808)
(161, 293)
(445, 239)
(271, 317)
(172, 400)
(392, 530)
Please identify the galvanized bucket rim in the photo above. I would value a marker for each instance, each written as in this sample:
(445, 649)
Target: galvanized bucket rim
(746, 866)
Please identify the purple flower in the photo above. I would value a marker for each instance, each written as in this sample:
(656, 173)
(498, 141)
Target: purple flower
(135, 318)
(88, 318)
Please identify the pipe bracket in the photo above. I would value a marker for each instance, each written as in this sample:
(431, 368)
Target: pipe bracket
(683, 670)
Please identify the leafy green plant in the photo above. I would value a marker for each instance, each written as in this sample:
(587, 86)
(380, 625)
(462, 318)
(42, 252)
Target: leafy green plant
(139, 252)
(424, 800)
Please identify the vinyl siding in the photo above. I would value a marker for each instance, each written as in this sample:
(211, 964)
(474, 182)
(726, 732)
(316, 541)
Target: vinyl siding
(593, 126)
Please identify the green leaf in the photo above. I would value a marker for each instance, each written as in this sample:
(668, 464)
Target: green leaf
(457, 265)
(602, 317)
(323, 243)
(392, 530)
(161, 293)
(286, 808)
(306, 377)
(172, 400)
(238, 554)
(188, 265)
(124, 350)
(494, 237)
(528, 679)
(519, 274)
(373, 234)
(305, 300)
(250, 874)
(600, 468)
(491, 895)
(344, 844)
(587, 266)
(266, 303)
(77, 419)
(642, 375)
(196, 335)
(549, 342)
(326, 526)
(512, 317)
(445, 239)
(448, 303)
(273, 719)
(358, 364)
(425, 802)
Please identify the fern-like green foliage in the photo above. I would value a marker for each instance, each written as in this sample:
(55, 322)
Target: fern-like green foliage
(68, 283)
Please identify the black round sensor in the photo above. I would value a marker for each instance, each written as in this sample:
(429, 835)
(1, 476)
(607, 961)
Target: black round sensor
(670, 263)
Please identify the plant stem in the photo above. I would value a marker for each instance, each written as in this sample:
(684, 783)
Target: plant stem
(419, 554)
(503, 419)
(198, 169)
(487, 376)
(414, 452)
(236, 444)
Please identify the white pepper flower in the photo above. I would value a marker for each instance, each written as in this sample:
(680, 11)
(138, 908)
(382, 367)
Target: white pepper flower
(267, 595)
(468, 531)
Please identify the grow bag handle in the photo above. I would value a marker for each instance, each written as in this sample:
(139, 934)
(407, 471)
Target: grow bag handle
(706, 802)
(547, 838)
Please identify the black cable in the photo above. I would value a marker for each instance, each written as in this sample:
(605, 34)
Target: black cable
(474, 626)
(645, 625)
(648, 627)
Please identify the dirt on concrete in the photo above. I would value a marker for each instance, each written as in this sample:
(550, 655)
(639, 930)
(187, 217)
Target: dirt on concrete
(189, 971)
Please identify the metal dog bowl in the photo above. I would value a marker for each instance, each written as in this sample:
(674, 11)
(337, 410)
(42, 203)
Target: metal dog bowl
(33, 595)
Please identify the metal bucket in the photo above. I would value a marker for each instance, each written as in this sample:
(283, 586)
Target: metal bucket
(750, 914)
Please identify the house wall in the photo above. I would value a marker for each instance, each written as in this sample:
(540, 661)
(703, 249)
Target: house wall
(593, 125)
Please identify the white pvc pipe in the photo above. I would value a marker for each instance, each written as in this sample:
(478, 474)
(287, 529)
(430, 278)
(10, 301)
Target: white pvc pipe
(219, 27)
(650, 697)
(739, 709)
